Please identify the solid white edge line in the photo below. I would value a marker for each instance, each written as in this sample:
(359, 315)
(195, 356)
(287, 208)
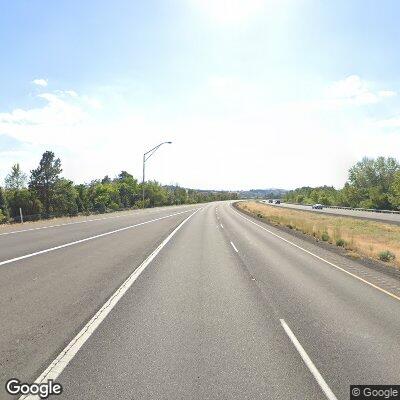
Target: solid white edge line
(66, 355)
(67, 223)
(237, 251)
(63, 224)
(320, 258)
(307, 360)
(11, 260)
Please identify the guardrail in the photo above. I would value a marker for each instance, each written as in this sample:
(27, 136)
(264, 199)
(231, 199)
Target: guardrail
(350, 208)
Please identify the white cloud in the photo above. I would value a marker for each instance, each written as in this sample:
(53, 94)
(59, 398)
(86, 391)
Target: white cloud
(66, 93)
(386, 93)
(354, 91)
(40, 82)
(389, 123)
(92, 102)
(241, 140)
(56, 111)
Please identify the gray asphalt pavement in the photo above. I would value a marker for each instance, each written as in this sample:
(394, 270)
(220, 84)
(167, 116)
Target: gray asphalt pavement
(376, 216)
(45, 299)
(205, 319)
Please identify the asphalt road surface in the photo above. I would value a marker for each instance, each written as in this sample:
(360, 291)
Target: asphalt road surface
(191, 302)
(376, 216)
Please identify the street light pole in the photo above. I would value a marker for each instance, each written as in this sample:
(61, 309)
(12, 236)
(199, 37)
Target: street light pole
(146, 156)
(144, 161)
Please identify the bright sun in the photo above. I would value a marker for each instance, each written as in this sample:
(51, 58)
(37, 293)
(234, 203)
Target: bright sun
(230, 11)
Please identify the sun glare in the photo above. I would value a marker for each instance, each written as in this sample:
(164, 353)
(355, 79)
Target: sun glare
(230, 11)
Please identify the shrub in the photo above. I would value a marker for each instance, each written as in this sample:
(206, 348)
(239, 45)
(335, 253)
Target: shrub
(353, 255)
(341, 242)
(114, 206)
(259, 215)
(325, 236)
(386, 256)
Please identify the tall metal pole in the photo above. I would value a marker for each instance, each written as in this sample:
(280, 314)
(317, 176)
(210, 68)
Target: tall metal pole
(144, 163)
(146, 156)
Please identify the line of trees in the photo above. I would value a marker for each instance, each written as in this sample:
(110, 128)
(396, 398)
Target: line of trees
(47, 194)
(372, 183)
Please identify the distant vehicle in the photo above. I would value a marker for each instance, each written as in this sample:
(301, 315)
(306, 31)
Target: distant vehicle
(277, 202)
(270, 201)
(317, 206)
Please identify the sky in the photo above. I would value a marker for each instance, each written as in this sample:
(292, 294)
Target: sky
(252, 93)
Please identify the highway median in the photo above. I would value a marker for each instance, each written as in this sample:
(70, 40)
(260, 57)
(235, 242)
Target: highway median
(359, 239)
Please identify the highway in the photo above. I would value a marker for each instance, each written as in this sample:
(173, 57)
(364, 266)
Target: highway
(376, 216)
(191, 302)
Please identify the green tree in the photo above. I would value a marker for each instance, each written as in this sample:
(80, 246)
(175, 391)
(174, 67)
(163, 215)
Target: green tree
(5, 214)
(44, 178)
(65, 198)
(106, 179)
(155, 193)
(123, 176)
(372, 180)
(177, 195)
(83, 200)
(104, 197)
(128, 189)
(27, 201)
(16, 179)
(395, 191)
(349, 196)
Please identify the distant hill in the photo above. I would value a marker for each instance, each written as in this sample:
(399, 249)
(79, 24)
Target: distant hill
(205, 191)
(270, 193)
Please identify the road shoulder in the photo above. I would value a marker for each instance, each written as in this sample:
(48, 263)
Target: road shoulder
(388, 278)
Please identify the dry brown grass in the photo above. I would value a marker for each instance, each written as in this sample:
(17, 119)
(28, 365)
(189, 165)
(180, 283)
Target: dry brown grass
(361, 237)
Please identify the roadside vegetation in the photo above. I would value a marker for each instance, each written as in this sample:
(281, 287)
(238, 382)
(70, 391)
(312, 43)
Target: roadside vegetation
(372, 183)
(361, 238)
(47, 194)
